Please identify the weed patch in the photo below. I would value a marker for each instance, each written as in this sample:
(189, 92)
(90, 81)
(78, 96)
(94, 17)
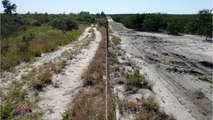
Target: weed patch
(15, 103)
(151, 111)
(199, 94)
(204, 78)
(145, 109)
(38, 78)
(137, 81)
(116, 40)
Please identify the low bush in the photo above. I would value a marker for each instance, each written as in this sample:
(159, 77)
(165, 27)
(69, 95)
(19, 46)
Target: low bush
(38, 78)
(67, 115)
(137, 81)
(199, 94)
(15, 102)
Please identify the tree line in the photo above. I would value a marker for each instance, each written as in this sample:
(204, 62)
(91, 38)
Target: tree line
(198, 24)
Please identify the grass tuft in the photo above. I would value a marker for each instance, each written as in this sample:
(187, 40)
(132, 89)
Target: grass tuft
(116, 40)
(204, 78)
(137, 81)
(67, 115)
(200, 94)
(38, 78)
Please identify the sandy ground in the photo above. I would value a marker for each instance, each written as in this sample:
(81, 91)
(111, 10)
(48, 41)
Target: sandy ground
(58, 99)
(174, 64)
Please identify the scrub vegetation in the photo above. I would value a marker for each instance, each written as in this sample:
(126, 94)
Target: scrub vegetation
(200, 23)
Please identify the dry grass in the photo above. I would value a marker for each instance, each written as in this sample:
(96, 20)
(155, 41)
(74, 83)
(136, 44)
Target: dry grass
(56, 67)
(39, 78)
(68, 55)
(90, 103)
(199, 94)
(145, 109)
(42, 79)
(94, 73)
(116, 40)
(127, 107)
(150, 110)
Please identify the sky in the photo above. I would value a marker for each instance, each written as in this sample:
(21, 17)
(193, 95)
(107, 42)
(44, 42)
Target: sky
(112, 6)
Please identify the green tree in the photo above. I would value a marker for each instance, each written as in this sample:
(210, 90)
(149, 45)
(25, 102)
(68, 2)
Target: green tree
(137, 21)
(173, 27)
(205, 22)
(152, 23)
(176, 25)
(103, 14)
(86, 17)
(9, 8)
(64, 24)
(192, 26)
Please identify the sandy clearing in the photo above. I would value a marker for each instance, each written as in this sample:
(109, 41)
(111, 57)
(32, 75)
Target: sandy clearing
(58, 99)
(175, 92)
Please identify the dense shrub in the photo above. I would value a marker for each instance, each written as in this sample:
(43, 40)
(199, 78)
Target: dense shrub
(11, 25)
(86, 17)
(64, 24)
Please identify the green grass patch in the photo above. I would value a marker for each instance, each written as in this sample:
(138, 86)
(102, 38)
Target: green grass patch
(67, 115)
(15, 102)
(31, 43)
(204, 78)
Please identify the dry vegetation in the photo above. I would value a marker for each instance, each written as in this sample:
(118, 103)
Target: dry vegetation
(16, 104)
(127, 74)
(137, 81)
(90, 103)
(151, 110)
(16, 101)
(116, 40)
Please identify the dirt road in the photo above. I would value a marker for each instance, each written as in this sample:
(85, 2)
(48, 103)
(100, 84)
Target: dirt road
(180, 66)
